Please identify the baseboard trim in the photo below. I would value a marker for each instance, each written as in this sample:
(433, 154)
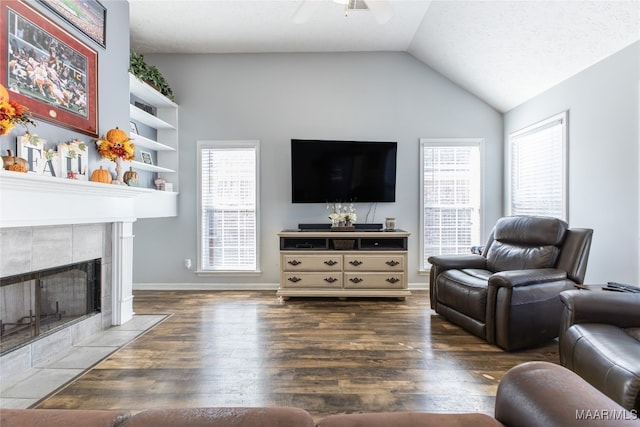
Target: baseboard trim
(228, 286)
(205, 286)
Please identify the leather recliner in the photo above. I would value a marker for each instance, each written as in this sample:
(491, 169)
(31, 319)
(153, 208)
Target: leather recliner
(600, 341)
(509, 294)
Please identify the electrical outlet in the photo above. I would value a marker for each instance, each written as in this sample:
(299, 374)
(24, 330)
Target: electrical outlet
(187, 263)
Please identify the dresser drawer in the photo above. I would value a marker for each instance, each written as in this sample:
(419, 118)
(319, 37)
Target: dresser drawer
(353, 280)
(312, 280)
(324, 262)
(391, 262)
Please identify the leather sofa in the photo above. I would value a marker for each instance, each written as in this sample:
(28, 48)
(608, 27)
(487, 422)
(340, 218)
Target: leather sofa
(533, 394)
(509, 294)
(186, 417)
(600, 341)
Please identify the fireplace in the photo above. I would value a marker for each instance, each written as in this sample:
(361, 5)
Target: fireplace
(48, 222)
(41, 302)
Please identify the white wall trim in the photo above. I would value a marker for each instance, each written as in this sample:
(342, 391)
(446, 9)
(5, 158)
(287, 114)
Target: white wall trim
(229, 286)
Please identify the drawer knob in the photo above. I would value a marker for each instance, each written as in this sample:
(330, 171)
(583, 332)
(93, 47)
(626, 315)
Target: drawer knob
(294, 279)
(356, 280)
(393, 280)
(330, 279)
(355, 262)
(331, 262)
(392, 263)
(294, 262)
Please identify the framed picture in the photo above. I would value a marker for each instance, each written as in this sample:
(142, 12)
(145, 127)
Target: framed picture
(88, 16)
(133, 128)
(146, 157)
(47, 70)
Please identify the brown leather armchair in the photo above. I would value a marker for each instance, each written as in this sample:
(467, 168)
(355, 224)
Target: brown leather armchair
(508, 294)
(600, 341)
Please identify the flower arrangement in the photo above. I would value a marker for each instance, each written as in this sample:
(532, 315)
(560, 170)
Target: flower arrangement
(342, 215)
(116, 144)
(12, 113)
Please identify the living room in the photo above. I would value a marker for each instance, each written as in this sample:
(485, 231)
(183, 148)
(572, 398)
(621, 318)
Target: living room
(390, 95)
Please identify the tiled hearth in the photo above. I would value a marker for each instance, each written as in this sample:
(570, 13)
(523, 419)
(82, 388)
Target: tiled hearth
(54, 371)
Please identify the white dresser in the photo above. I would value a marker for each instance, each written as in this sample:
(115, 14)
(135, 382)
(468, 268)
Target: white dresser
(343, 264)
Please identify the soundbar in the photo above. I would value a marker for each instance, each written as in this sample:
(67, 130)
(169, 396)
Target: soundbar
(326, 226)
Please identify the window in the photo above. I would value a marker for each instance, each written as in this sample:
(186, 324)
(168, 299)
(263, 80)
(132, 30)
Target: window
(450, 198)
(537, 172)
(228, 214)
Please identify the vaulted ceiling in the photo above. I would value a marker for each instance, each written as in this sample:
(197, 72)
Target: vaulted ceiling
(505, 52)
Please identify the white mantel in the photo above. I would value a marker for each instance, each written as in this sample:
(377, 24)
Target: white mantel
(30, 200)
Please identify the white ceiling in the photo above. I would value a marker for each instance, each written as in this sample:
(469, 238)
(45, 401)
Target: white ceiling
(503, 51)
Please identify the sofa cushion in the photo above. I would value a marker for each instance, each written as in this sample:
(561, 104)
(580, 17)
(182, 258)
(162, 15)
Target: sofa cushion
(62, 417)
(530, 230)
(222, 417)
(522, 243)
(464, 291)
(505, 256)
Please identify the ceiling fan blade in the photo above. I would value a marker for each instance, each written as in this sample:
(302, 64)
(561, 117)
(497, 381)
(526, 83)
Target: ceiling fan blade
(305, 11)
(381, 10)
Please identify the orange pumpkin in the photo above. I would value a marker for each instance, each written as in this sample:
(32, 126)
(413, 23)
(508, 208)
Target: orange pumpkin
(101, 175)
(4, 95)
(17, 168)
(117, 135)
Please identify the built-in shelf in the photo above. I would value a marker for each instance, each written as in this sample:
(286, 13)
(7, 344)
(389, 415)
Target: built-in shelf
(160, 131)
(143, 141)
(143, 91)
(147, 167)
(148, 119)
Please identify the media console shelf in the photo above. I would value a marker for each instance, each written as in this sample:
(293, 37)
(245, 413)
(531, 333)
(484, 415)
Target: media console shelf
(343, 264)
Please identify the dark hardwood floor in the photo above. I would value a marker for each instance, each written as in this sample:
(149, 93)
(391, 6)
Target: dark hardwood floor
(325, 355)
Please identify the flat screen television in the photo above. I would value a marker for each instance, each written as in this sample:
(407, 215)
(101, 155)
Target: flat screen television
(343, 171)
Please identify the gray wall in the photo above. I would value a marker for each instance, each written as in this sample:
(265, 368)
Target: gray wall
(276, 97)
(113, 82)
(604, 188)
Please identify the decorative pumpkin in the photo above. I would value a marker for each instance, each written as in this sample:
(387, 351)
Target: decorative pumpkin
(10, 160)
(101, 175)
(16, 168)
(117, 135)
(131, 178)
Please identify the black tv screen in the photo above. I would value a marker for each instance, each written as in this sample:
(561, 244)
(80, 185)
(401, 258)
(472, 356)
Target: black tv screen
(343, 171)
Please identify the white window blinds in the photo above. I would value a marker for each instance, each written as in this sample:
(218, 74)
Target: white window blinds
(228, 202)
(450, 196)
(537, 169)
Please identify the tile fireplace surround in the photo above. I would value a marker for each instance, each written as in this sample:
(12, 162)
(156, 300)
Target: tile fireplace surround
(46, 223)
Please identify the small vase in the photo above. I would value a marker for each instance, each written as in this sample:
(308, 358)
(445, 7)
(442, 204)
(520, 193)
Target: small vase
(118, 179)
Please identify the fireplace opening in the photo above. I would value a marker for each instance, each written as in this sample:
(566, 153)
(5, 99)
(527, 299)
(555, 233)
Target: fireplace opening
(40, 302)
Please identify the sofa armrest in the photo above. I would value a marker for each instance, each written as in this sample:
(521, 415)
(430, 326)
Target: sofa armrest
(541, 394)
(448, 262)
(621, 309)
(515, 278)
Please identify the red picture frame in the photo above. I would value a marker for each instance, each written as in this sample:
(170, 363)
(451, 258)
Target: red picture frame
(48, 70)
